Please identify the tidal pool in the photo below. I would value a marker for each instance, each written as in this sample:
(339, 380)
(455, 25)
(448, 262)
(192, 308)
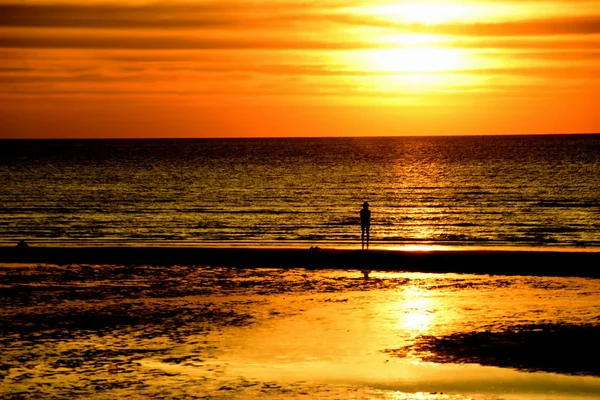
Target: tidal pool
(102, 331)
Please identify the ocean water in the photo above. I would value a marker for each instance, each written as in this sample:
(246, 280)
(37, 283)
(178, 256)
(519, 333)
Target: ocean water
(500, 190)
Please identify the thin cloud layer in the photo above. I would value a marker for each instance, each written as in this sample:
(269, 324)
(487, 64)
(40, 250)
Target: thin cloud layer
(245, 16)
(288, 53)
(152, 16)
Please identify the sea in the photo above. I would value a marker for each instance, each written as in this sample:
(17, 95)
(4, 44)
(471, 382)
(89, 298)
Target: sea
(537, 190)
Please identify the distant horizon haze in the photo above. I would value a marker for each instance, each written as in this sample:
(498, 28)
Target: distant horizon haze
(408, 136)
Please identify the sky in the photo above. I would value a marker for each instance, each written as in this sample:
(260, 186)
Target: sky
(241, 68)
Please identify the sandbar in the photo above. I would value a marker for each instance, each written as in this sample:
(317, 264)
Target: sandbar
(535, 262)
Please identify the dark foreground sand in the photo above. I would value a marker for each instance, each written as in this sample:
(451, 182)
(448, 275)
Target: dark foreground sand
(561, 348)
(482, 261)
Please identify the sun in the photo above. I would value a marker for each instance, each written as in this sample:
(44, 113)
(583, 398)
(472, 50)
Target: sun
(415, 60)
(413, 68)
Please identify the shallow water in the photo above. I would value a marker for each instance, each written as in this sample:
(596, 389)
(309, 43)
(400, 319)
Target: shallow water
(99, 331)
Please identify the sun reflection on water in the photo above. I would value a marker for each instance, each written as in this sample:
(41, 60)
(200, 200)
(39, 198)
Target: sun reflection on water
(417, 310)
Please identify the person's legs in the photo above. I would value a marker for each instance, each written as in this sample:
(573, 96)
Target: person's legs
(368, 229)
(362, 236)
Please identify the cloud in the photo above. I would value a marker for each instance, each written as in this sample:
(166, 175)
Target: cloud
(500, 89)
(570, 43)
(584, 25)
(112, 16)
(159, 16)
(266, 15)
(548, 56)
(172, 75)
(169, 42)
(544, 71)
(578, 25)
(79, 40)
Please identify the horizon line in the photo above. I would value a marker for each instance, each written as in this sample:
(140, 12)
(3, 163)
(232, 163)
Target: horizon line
(295, 137)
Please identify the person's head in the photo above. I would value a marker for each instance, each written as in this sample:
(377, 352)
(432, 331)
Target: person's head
(365, 205)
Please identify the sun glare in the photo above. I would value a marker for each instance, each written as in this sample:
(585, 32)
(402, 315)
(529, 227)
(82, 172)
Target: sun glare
(413, 39)
(416, 59)
(424, 13)
(417, 314)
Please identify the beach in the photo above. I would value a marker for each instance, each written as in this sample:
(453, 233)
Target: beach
(538, 261)
(138, 322)
(394, 200)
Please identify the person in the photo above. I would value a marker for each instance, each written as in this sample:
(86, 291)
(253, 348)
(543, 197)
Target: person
(365, 223)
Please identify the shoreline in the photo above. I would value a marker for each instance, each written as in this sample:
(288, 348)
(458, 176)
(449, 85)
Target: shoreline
(529, 261)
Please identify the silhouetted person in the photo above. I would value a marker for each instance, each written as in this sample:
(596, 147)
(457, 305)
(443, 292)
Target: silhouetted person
(365, 223)
(22, 244)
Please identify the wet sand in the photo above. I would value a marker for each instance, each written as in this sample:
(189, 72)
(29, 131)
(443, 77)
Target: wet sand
(196, 331)
(561, 348)
(535, 262)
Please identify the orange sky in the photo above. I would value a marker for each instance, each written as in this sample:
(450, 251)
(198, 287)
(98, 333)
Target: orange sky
(221, 68)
